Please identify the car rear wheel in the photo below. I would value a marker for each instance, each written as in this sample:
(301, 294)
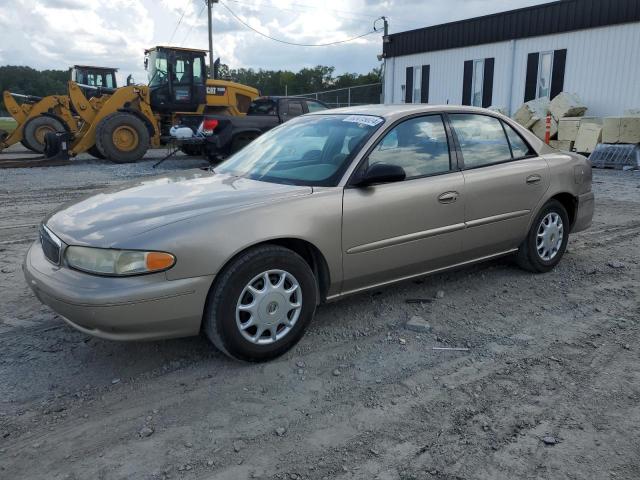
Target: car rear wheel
(261, 304)
(547, 239)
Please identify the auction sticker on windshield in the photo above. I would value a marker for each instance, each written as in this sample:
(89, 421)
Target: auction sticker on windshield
(363, 119)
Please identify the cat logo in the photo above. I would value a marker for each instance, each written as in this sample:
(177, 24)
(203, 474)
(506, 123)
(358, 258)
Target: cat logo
(216, 91)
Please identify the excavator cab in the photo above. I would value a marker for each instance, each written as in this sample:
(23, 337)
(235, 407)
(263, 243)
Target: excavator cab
(94, 76)
(101, 77)
(177, 79)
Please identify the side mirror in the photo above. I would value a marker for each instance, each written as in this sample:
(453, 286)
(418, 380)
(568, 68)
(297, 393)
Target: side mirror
(381, 173)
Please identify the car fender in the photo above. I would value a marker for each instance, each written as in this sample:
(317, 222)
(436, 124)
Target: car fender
(204, 244)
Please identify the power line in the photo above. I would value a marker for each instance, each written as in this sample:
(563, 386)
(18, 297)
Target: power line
(307, 7)
(292, 43)
(191, 27)
(184, 10)
(254, 6)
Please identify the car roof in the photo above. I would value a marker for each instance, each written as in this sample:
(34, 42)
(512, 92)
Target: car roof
(391, 111)
(282, 97)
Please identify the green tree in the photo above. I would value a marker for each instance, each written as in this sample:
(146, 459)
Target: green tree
(28, 81)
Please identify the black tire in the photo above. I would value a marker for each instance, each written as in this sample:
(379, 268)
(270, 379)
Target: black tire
(136, 138)
(219, 322)
(528, 256)
(35, 129)
(25, 144)
(191, 150)
(52, 145)
(93, 151)
(242, 140)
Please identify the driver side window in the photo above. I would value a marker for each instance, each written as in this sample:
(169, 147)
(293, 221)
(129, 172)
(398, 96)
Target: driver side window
(418, 145)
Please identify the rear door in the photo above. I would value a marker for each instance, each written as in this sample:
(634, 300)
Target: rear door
(396, 230)
(504, 182)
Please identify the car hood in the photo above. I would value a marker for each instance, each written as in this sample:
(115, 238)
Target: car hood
(121, 213)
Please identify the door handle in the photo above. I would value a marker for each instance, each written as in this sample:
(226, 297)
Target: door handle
(448, 197)
(533, 179)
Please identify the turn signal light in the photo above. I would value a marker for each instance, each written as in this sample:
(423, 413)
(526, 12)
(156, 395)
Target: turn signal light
(159, 261)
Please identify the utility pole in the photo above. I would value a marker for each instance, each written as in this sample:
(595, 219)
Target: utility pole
(209, 5)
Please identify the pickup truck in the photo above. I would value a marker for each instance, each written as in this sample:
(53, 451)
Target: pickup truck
(218, 136)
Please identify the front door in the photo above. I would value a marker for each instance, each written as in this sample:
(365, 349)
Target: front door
(396, 230)
(504, 182)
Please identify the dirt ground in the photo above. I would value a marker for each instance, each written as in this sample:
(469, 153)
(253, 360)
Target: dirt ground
(549, 387)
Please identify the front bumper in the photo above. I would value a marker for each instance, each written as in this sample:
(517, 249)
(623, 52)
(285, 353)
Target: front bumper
(145, 307)
(584, 214)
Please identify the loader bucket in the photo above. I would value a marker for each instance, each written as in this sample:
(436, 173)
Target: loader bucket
(56, 145)
(618, 156)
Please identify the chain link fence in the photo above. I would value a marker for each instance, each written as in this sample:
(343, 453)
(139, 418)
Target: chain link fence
(349, 96)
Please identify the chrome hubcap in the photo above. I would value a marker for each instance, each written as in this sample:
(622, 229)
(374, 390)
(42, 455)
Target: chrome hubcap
(550, 236)
(269, 307)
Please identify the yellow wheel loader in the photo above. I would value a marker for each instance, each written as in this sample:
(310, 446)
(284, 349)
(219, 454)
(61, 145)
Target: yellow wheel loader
(37, 116)
(125, 122)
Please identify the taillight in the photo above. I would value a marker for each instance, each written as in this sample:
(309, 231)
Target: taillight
(209, 125)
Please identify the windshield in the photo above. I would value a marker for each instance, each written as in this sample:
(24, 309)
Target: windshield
(157, 68)
(310, 150)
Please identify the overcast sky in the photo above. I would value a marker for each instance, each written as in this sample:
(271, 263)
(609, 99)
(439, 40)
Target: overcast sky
(59, 33)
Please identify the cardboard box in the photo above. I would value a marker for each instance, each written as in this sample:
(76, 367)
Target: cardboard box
(589, 135)
(621, 130)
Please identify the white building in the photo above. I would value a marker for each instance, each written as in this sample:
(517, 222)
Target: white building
(588, 47)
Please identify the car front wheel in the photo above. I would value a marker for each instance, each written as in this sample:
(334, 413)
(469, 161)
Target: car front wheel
(547, 239)
(261, 304)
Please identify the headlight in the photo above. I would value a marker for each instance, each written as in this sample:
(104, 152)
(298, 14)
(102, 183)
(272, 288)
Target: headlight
(103, 261)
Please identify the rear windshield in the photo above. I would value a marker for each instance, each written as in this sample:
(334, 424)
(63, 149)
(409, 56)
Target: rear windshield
(309, 150)
(263, 107)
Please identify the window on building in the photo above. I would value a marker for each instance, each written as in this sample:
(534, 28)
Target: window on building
(482, 139)
(478, 82)
(418, 145)
(545, 70)
(417, 81)
(416, 87)
(545, 74)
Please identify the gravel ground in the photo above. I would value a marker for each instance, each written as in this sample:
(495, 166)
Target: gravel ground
(547, 385)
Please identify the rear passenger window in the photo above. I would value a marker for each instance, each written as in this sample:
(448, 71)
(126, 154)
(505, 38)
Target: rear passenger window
(482, 139)
(295, 109)
(518, 146)
(418, 145)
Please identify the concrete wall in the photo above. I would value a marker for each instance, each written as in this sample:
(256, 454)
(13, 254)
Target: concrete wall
(602, 67)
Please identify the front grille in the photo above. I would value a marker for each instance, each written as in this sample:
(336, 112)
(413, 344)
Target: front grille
(51, 245)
